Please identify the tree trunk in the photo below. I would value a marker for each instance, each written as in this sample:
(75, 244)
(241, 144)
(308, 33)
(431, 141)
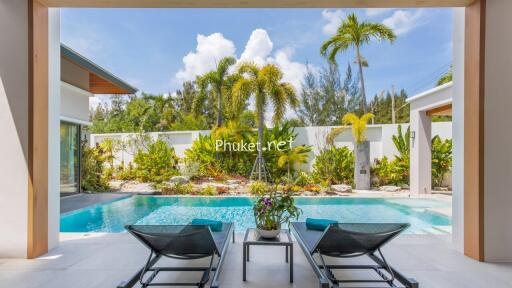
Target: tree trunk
(361, 78)
(219, 106)
(260, 141)
(362, 166)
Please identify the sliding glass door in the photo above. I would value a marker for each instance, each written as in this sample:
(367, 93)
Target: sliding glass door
(69, 157)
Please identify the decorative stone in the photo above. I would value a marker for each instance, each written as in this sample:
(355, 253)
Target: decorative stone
(179, 179)
(116, 184)
(390, 188)
(233, 182)
(308, 193)
(137, 187)
(341, 188)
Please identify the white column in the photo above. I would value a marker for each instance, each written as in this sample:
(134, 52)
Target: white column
(498, 136)
(458, 130)
(14, 120)
(54, 127)
(420, 152)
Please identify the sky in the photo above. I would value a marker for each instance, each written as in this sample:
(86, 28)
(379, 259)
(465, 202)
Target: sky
(156, 50)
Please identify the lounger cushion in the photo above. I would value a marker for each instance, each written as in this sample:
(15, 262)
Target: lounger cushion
(215, 225)
(319, 224)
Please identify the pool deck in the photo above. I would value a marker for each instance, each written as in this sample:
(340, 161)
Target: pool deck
(82, 200)
(104, 260)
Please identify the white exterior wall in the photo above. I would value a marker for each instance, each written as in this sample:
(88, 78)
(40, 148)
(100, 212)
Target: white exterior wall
(14, 119)
(498, 139)
(74, 103)
(378, 135)
(458, 130)
(54, 95)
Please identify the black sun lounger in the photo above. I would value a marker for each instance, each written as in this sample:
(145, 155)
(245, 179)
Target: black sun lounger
(183, 242)
(351, 240)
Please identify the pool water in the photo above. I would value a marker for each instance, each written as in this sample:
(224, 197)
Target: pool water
(113, 216)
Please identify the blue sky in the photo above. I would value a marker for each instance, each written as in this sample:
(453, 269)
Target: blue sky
(156, 49)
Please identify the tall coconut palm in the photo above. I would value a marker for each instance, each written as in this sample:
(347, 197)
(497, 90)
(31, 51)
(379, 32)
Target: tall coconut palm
(266, 86)
(216, 81)
(352, 33)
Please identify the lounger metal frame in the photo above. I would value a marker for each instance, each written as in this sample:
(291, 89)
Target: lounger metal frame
(327, 279)
(155, 257)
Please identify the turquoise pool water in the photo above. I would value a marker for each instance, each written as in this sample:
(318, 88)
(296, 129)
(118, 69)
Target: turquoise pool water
(111, 217)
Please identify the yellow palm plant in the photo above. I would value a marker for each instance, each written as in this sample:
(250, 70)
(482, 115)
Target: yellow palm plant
(293, 157)
(358, 125)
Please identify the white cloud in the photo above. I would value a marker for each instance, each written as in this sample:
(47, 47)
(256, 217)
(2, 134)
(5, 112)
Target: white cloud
(258, 47)
(293, 72)
(373, 12)
(404, 21)
(333, 19)
(210, 49)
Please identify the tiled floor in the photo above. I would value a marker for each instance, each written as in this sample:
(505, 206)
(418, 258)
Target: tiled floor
(104, 260)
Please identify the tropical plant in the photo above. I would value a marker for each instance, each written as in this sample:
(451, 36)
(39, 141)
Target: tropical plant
(447, 77)
(395, 172)
(402, 141)
(157, 164)
(274, 209)
(441, 159)
(266, 85)
(91, 169)
(178, 189)
(291, 158)
(352, 33)
(217, 81)
(258, 188)
(358, 125)
(334, 166)
(303, 179)
(208, 190)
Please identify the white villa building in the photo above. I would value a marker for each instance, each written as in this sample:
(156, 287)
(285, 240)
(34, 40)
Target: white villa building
(80, 80)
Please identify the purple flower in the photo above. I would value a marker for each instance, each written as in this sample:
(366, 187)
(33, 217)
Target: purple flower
(267, 201)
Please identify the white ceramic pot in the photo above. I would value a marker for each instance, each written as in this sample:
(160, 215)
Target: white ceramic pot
(269, 234)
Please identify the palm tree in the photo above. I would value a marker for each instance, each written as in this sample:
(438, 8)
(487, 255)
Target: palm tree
(362, 148)
(353, 33)
(266, 85)
(216, 80)
(293, 157)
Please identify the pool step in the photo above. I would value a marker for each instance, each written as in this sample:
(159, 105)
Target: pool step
(438, 230)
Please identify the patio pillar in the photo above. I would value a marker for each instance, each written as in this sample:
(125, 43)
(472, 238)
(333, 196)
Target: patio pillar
(420, 165)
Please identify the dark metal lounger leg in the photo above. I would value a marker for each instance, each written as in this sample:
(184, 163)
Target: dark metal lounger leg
(408, 282)
(135, 278)
(218, 268)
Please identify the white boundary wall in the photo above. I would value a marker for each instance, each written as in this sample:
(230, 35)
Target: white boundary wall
(380, 137)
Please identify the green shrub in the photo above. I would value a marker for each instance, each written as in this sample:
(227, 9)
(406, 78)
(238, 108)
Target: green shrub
(125, 173)
(303, 179)
(157, 164)
(259, 188)
(334, 165)
(92, 177)
(208, 191)
(178, 189)
(387, 172)
(441, 159)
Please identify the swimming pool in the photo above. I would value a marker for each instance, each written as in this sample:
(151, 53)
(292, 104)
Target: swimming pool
(111, 217)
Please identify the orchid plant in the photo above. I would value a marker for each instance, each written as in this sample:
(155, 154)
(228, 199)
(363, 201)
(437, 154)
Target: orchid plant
(273, 209)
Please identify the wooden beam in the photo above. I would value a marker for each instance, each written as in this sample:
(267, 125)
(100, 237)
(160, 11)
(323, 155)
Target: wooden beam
(38, 130)
(474, 130)
(256, 3)
(98, 85)
(441, 110)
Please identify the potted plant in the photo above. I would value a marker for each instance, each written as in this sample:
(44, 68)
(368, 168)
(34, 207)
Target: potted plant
(272, 210)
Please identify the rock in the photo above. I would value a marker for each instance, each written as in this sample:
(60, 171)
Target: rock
(308, 193)
(116, 184)
(341, 188)
(390, 188)
(136, 187)
(233, 182)
(179, 179)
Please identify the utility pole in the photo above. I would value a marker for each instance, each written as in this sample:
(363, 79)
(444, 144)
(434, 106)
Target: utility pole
(393, 116)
